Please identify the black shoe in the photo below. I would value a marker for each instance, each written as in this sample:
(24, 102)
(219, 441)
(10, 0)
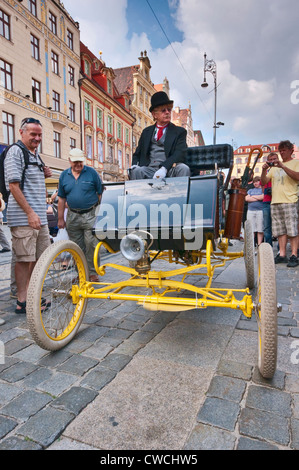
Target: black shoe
(5, 250)
(293, 262)
(280, 259)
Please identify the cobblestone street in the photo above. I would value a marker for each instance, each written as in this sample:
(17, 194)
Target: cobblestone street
(136, 379)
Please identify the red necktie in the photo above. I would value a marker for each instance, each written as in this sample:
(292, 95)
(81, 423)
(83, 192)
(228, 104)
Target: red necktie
(160, 131)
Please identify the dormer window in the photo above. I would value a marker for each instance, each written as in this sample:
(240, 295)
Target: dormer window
(109, 86)
(87, 67)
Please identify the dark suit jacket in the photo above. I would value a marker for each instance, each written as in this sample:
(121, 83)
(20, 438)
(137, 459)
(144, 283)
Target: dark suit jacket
(175, 146)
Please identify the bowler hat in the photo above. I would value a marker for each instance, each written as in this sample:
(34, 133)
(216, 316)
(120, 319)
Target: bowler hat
(158, 99)
(76, 155)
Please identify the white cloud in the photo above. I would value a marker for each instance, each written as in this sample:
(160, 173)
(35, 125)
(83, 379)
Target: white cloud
(253, 43)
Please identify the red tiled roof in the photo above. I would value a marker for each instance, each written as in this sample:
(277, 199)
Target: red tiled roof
(124, 78)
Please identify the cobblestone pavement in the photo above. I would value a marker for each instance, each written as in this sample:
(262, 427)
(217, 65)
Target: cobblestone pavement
(137, 379)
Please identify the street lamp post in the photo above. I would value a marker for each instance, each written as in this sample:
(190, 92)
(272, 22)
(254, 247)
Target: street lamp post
(210, 66)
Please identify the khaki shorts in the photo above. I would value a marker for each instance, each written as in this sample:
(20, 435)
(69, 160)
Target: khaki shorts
(28, 244)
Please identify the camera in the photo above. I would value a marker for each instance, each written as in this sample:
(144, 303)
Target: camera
(270, 163)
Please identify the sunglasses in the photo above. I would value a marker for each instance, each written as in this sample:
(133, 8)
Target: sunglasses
(30, 121)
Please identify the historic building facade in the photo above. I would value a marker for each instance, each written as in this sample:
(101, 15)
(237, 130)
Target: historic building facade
(40, 63)
(106, 119)
(135, 80)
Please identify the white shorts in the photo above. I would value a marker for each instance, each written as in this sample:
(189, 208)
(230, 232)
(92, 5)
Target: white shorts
(257, 220)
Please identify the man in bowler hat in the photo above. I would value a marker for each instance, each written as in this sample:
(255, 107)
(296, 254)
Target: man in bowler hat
(161, 148)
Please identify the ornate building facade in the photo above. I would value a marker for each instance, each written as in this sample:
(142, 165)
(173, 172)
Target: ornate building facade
(106, 119)
(135, 80)
(40, 62)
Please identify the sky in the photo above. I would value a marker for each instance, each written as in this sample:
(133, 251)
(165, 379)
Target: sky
(253, 43)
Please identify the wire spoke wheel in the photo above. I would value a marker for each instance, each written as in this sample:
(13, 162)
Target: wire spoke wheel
(266, 312)
(249, 254)
(53, 316)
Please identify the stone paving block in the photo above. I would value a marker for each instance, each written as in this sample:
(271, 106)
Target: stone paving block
(98, 350)
(264, 425)
(235, 369)
(219, 412)
(26, 404)
(18, 371)
(37, 377)
(296, 405)
(32, 353)
(295, 434)
(46, 425)
(91, 334)
(205, 437)
(267, 399)
(115, 361)
(6, 425)
(58, 383)
(75, 399)
(277, 381)
(15, 443)
(250, 444)
(78, 365)
(8, 392)
(228, 388)
(53, 359)
(98, 378)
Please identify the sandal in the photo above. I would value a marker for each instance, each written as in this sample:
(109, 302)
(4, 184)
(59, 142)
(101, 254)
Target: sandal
(22, 305)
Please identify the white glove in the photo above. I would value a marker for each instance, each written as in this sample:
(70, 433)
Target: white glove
(161, 173)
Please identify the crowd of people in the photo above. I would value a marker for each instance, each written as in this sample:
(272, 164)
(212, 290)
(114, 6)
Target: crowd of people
(272, 199)
(272, 203)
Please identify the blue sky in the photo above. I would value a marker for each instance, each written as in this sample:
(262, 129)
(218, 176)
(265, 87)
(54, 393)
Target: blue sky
(254, 44)
(141, 19)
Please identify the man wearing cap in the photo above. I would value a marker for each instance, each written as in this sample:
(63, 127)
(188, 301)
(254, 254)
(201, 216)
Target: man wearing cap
(26, 208)
(161, 148)
(80, 187)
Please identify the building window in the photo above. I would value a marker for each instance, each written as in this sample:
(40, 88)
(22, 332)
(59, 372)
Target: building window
(56, 101)
(110, 154)
(118, 130)
(72, 111)
(99, 118)
(53, 23)
(109, 86)
(72, 143)
(57, 145)
(34, 47)
(55, 63)
(70, 39)
(89, 147)
(100, 151)
(110, 125)
(127, 135)
(71, 71)
(8, 128)
(5, 75)
(36, 91)
(87, 110)
(4, 25)
(87, 67)
(32, 7)
(120, 159)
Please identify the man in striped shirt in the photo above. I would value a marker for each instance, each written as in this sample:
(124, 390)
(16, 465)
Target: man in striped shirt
(26, 208)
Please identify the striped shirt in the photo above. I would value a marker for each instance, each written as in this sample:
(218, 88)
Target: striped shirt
(34, 186)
